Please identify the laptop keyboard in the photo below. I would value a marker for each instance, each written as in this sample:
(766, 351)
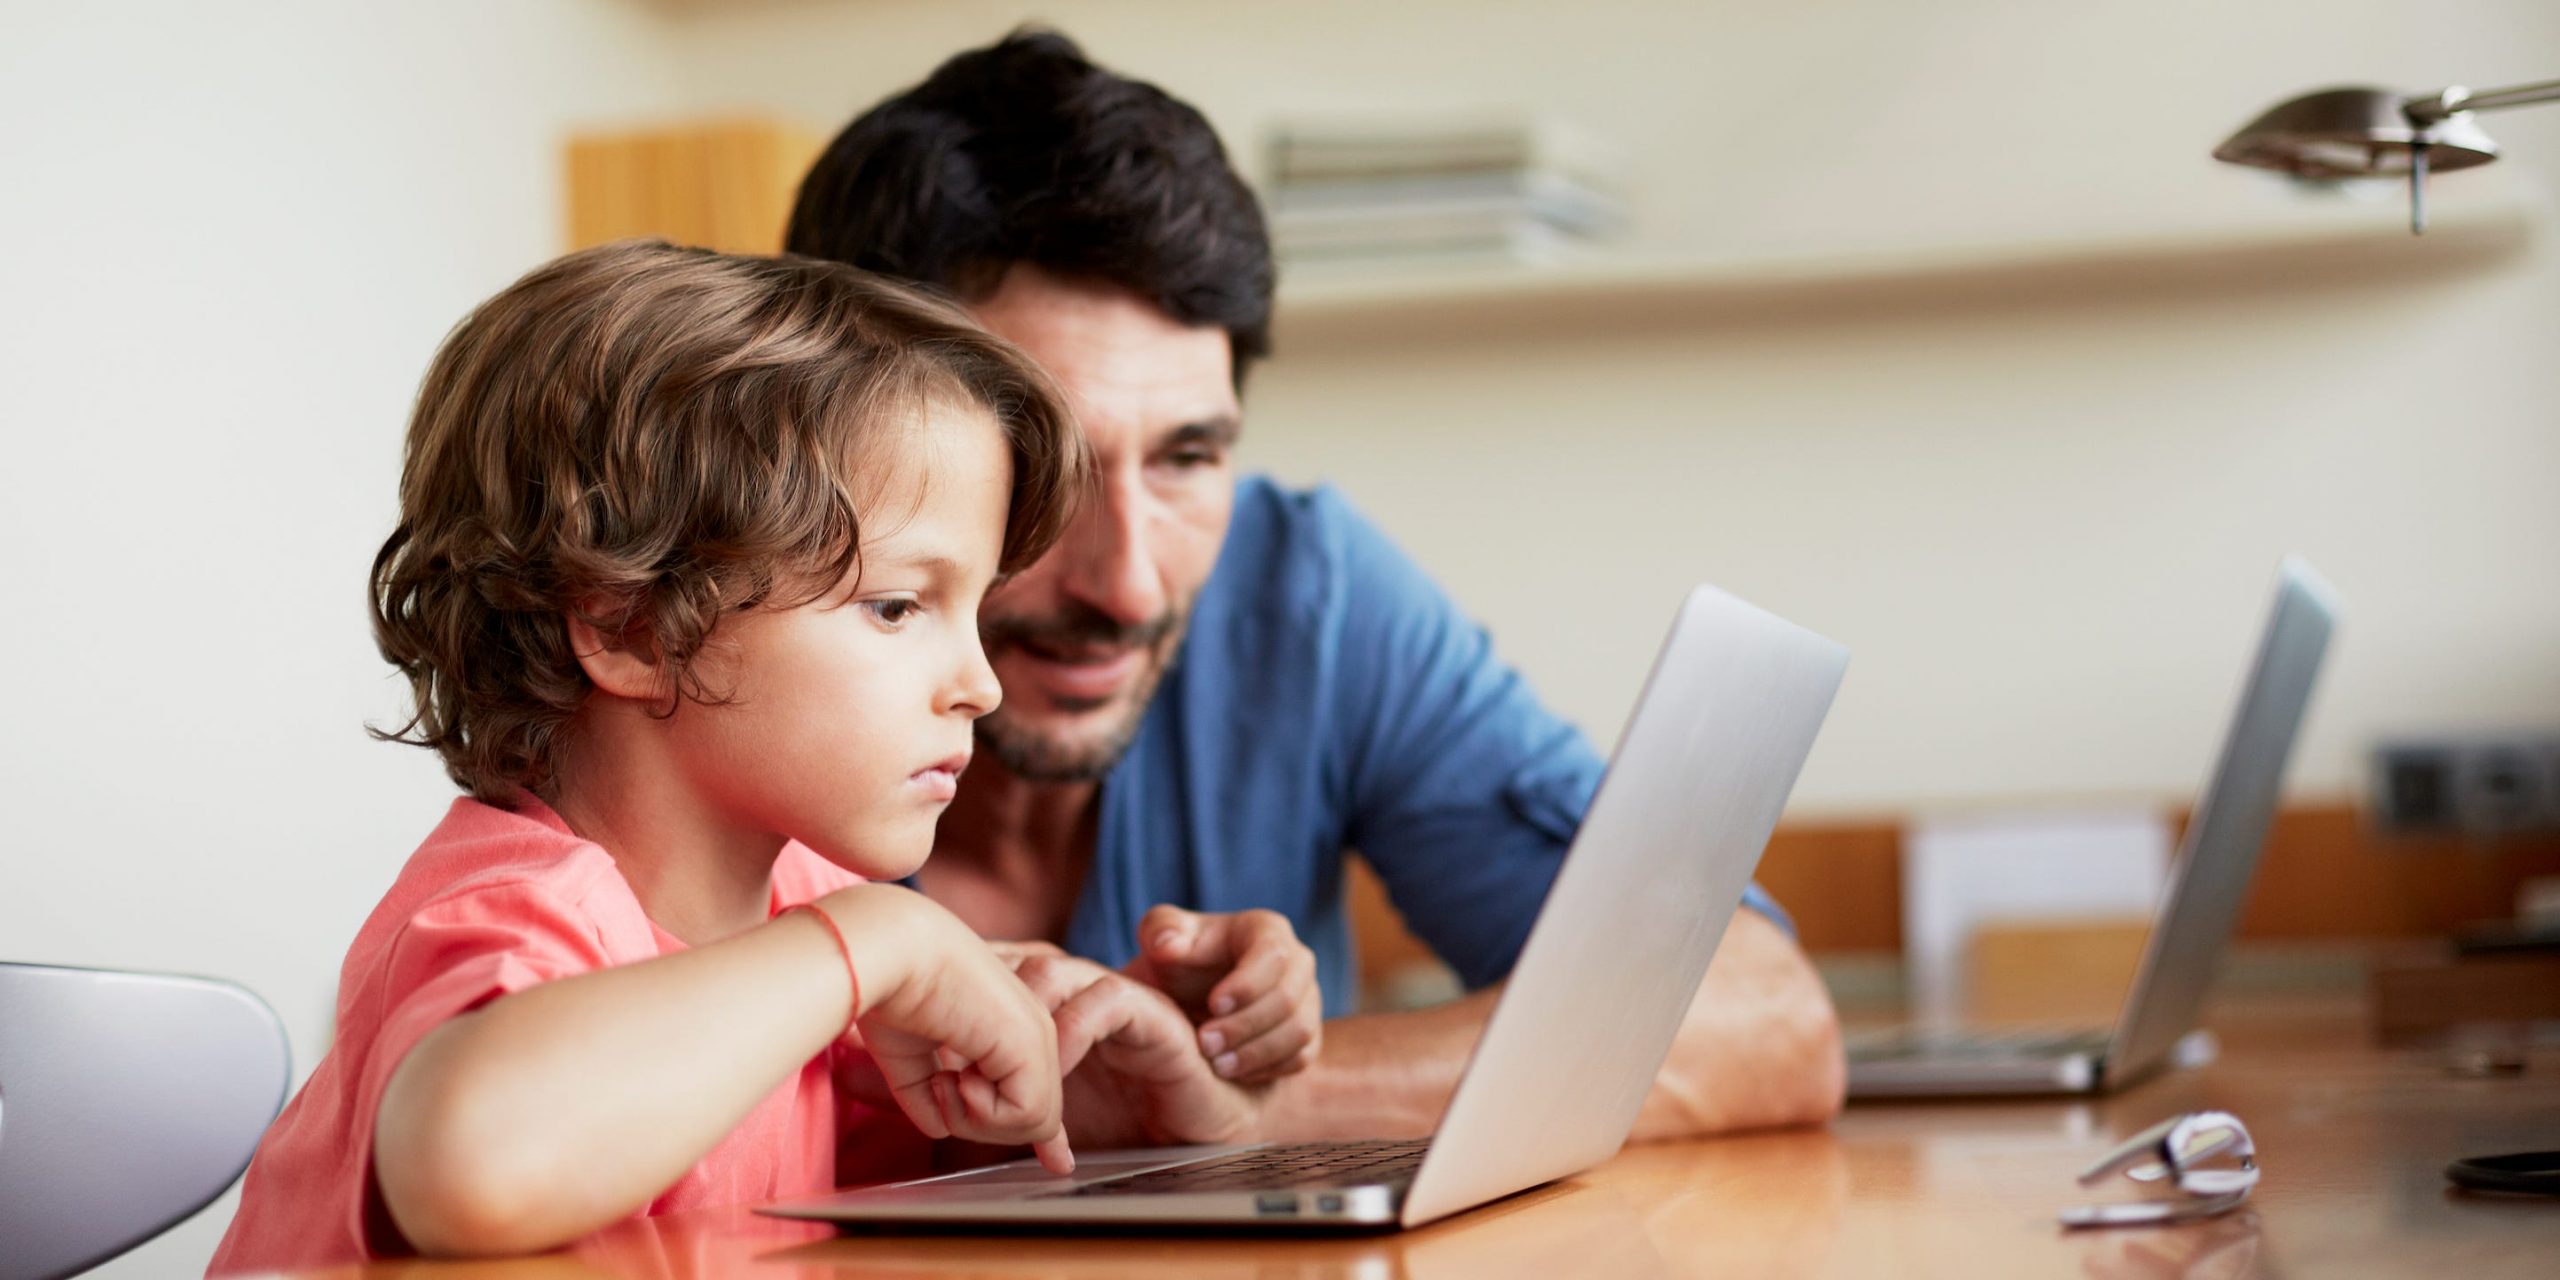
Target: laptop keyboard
(1309, 1164)
(1923, 1043)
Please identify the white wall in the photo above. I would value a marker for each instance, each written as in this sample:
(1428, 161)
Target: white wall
(2045, 524)
(234, 234)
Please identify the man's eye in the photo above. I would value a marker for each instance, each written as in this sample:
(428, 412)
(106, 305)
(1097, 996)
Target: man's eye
(1192, 459)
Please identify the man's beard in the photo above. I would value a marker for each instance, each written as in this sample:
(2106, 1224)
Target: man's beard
(1036, 757)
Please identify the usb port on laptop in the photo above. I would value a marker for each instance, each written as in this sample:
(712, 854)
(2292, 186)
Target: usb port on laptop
(1275, 1204)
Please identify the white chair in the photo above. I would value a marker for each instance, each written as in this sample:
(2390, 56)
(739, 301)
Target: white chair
(128, 1101)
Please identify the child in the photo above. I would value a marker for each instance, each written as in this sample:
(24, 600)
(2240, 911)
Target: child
(688, 564)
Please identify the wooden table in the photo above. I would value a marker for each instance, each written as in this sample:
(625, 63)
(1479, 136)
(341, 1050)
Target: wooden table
(2353, 1141)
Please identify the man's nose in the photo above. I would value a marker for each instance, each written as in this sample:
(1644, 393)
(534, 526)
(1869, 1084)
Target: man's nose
(1109, 564)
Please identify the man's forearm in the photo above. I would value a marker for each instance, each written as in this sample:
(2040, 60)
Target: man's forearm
(1759, 1047)
(1381, 1075)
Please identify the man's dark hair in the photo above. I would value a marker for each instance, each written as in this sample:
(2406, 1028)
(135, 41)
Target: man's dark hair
(1025, 151)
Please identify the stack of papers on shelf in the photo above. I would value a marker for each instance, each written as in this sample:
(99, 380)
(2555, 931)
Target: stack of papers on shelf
(1389, 193)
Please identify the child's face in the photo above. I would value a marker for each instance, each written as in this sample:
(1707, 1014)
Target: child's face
(849, 719)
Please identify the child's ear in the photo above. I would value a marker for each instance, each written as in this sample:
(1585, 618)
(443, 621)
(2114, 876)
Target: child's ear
(625, 666)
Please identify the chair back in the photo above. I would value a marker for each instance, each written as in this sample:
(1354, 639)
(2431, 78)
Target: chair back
(128, 1101)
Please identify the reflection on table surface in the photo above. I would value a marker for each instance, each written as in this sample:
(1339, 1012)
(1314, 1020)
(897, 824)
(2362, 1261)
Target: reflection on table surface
(2353, 1140)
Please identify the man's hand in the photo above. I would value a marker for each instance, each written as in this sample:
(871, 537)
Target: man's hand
(1247, 982)
(1133, 1077)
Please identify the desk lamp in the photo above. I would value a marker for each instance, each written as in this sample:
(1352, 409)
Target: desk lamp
(2363, 132)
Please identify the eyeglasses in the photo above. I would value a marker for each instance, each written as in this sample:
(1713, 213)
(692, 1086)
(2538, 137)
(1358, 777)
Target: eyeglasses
(2176, 1151)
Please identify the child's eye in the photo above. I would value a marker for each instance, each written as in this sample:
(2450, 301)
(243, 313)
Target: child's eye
(892, 611)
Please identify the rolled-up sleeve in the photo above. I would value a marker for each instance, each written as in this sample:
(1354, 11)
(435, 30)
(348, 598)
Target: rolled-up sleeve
(1464, 790)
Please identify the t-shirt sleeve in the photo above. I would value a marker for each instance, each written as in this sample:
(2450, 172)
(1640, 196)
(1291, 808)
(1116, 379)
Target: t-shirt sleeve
(456, 954)
(1464, 790)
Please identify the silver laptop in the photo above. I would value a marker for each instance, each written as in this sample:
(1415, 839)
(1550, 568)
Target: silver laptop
(1588, 1015)
(2207, 887)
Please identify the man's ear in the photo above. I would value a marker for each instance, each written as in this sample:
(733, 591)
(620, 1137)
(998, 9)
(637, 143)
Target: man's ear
(623, 666)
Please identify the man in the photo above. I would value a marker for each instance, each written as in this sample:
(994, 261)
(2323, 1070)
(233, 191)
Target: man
(1215, 686)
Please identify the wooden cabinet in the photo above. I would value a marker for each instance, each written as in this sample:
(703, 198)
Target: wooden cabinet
(724, 185)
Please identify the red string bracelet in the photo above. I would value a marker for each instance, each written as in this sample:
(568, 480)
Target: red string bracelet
(852, 980)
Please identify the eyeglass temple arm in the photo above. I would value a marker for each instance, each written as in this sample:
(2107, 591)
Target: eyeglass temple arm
(2154, 1142)
(2139, 1146)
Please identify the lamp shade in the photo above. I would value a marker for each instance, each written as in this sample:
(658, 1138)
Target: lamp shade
(2356, 132)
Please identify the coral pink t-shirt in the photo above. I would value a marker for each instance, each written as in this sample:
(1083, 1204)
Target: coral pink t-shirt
(497, 901)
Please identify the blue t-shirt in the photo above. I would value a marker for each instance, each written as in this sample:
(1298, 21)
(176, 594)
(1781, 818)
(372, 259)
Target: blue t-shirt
(1328, 697)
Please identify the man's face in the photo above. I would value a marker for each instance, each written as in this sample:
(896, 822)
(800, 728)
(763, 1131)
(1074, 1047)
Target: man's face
(1081, 638)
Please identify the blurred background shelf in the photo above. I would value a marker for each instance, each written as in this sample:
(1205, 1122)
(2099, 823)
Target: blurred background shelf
(2338, 244)
(728, 184)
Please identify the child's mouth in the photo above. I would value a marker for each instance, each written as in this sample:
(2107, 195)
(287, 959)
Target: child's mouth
(940, 781)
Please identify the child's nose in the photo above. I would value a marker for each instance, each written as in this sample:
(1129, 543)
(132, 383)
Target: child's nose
(974, 690)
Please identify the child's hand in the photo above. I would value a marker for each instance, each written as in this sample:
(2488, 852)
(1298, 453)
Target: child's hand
(1133, 1075)
(1245, 979)
(966, 1049)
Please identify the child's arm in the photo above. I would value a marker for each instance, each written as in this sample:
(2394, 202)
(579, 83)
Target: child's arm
(559, 1109)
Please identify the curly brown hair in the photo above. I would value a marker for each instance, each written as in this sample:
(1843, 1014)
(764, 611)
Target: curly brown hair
(654, 438)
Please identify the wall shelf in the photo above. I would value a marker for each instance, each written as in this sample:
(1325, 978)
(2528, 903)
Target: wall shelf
(2342, 245)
